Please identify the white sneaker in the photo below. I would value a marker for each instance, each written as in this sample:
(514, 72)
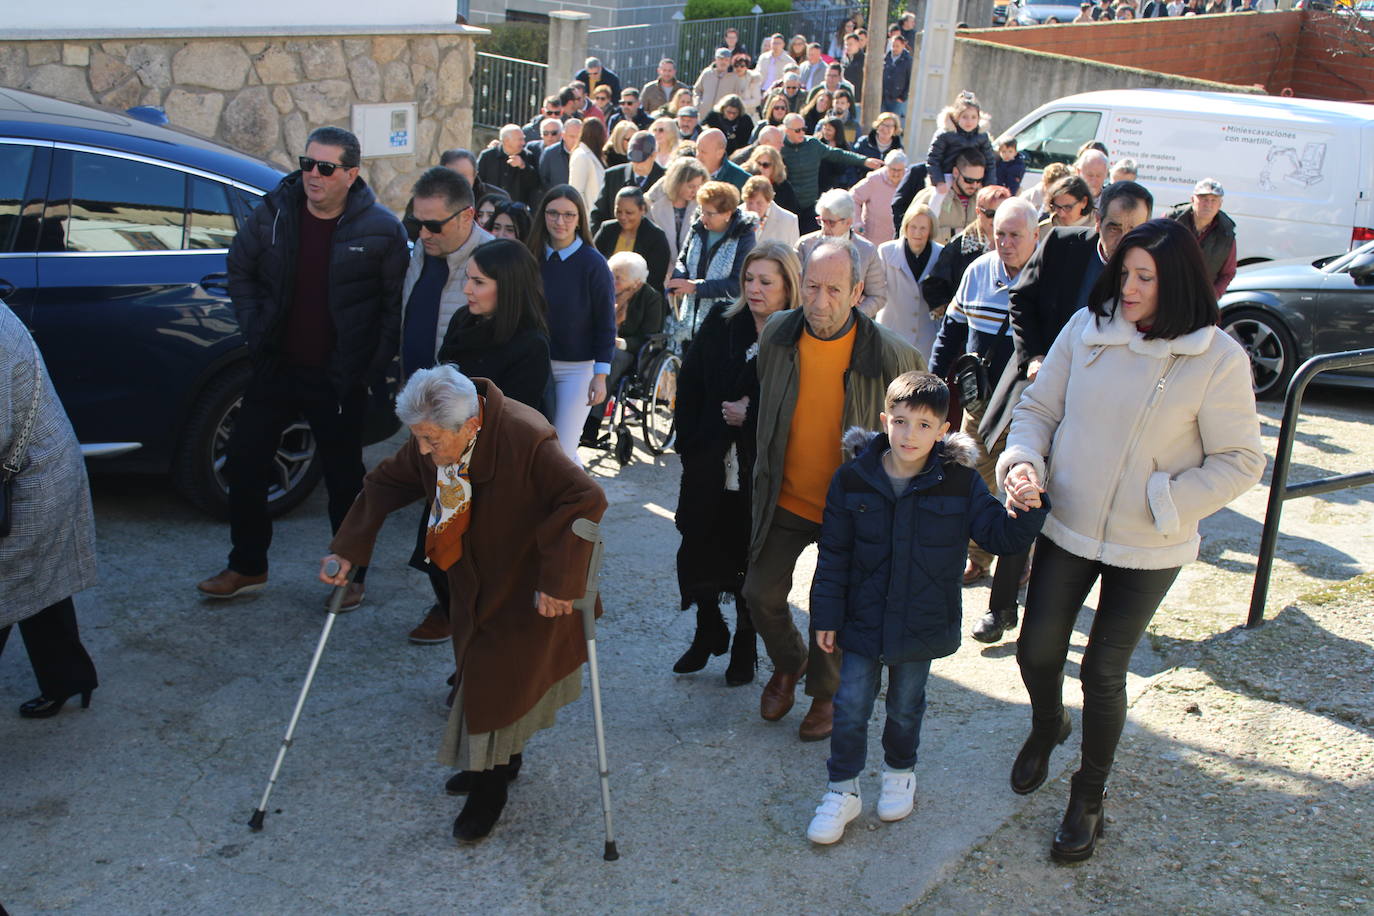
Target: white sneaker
(898, 796)
(835, 811)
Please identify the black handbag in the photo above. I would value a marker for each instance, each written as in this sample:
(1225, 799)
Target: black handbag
(969, 377)
(14, 462)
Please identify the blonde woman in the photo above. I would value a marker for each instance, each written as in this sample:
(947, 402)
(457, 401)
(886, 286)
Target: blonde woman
(618, 146)
(673, 202)
(767, 161)
(666, 139)
(907, 260)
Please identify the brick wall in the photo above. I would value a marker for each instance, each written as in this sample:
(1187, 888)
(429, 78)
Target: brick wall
(1242, 49)
(1334, 59)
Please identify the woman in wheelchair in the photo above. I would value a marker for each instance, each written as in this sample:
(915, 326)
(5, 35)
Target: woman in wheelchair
(717, 396)
(639, 314)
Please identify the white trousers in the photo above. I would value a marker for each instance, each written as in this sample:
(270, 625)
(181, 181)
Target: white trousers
(571, 381)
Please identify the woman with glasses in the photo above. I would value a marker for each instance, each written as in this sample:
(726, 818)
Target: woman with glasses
(679, 100)
(616, 151)
(673, 201)
(511, 220)
(775, 108)
(885, 136)
(752, 93)
(767, 161)
(708, 266)
(630, 231)
(1070, 203)
(729, 118)
(796, 48)
(666, 139)
(581, 296)
(602, 107)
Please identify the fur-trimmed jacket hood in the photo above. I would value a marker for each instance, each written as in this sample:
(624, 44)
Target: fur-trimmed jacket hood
(892, 552)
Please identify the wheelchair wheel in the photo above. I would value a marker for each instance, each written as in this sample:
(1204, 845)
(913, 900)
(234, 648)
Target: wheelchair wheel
(624, 445)
(659, 404)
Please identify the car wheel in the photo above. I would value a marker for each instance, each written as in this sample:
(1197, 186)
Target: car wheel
(199, 471)
(1273, 355)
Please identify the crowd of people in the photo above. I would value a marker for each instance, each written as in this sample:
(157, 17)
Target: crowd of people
(876, 340)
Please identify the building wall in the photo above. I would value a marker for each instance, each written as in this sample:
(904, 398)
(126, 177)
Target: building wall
(263, 93)
(1241, 49)
(1334, 59)
(241, 14)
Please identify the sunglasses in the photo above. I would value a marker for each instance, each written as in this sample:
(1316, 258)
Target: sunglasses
(962, 177)
(436, 226)
(987, 211)
(626, 103)
(325, 168)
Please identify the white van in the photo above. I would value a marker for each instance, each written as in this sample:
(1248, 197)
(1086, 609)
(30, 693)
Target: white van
(1298, 173)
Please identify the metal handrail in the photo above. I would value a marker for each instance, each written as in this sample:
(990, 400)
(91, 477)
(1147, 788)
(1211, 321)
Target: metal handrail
(1279, 488)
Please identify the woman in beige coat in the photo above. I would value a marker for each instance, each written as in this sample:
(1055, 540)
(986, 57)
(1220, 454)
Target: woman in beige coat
(673, 203)
(1143, 418)
(906, 262)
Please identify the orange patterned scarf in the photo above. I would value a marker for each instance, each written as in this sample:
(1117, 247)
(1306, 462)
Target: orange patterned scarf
(451, 512)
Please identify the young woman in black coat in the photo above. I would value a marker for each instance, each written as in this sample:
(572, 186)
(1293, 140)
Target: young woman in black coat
(717, 400)
(631, 231)
(501, 334)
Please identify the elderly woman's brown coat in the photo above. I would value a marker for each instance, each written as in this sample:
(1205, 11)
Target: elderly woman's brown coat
(525, 496)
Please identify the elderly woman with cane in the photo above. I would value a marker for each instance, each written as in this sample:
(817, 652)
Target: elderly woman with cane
(47, 530)
(505, 499)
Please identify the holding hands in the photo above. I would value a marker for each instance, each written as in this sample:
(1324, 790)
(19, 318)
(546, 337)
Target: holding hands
(1023, 488)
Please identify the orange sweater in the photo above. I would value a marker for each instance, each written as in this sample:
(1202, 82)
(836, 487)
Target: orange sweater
(813, 444)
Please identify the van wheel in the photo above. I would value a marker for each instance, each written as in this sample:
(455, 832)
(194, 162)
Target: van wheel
(1273, 355)
(198, 473)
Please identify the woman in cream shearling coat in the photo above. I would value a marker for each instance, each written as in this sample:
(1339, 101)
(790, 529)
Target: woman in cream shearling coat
(1141, 422)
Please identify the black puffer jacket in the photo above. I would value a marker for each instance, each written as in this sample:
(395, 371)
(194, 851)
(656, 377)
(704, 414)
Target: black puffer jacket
(366, 270)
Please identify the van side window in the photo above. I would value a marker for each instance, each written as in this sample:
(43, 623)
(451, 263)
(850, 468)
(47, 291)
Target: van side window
(1056, 137)
(120, 205)
(210, 223)
(14, 176)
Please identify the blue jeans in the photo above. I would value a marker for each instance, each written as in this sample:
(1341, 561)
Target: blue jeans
(895, 107)
(906, 706)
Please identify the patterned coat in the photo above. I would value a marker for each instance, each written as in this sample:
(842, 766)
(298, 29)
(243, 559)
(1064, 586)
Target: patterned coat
(49, 553)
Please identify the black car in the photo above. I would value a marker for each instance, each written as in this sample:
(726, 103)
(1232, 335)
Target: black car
(1285, 312)
(113, 237)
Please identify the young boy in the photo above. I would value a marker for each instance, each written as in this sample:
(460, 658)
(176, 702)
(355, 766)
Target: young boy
(1011, 166)
(892, 550)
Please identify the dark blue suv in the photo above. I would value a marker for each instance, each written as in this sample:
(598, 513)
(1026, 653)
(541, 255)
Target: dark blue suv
(113, 236)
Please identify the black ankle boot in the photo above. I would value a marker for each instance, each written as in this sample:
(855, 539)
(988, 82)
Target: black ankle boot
(744, 652)
(1077, 835)
(1033, 763)
(994, 624)
(484, 805)
(712, 638)
(462, 783)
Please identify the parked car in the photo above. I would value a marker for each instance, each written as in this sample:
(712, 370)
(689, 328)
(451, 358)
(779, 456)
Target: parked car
(1296, 171)
(1045, 12)
(1285, 312)
(113, 237)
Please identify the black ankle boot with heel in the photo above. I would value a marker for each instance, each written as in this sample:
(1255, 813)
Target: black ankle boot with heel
(1077, 835)
(712, 638)
(486, 800)
(1033, 763)
(44, 708)
(744, 652)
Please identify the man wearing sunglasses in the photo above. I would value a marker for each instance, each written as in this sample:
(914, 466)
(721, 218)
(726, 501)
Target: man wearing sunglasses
(955, 209)
(433, 294)
(315, 278)
(550, 109)
(593, 74)
(511, 167)
(803, 156)
(630, 110)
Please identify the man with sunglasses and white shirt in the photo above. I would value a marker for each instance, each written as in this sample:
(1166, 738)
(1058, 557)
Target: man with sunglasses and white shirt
(956, 208)
(315, 278)
(433, 294)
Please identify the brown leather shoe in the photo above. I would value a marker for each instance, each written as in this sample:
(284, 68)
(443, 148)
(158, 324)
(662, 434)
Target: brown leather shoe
(230, 584)
(433, 630)
(819, 721)
(973, 572)
(779, 694)
(354, 592)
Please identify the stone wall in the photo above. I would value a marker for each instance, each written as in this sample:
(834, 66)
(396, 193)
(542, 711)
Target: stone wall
(263, 93)
(1013, 82)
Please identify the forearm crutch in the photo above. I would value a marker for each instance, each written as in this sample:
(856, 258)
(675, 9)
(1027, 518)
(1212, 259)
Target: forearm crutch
(335, 600)
(589, 530)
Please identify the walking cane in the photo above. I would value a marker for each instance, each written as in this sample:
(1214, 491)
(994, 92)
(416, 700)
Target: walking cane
(589, 530)
(335, 599)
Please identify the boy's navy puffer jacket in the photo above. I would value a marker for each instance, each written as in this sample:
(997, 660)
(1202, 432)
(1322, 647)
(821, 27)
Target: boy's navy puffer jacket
(889, 577)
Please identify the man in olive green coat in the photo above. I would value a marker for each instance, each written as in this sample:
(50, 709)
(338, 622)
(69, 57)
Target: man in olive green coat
(823, 368)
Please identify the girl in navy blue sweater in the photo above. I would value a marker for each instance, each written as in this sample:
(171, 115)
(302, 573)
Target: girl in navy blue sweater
(581, 295)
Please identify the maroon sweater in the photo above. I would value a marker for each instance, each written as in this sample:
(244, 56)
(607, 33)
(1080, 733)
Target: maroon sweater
(309, 326)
